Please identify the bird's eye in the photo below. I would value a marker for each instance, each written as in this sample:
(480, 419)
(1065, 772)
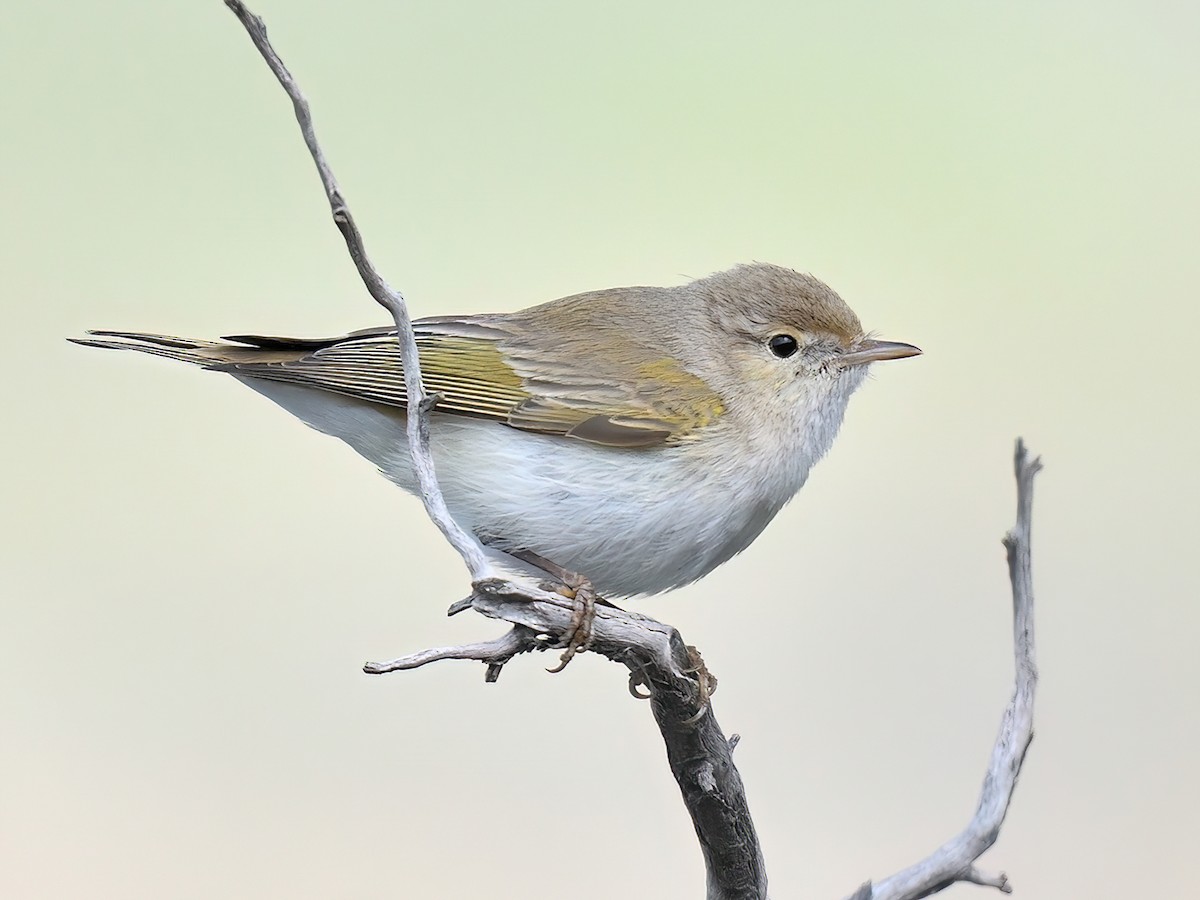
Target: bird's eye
(783, 345)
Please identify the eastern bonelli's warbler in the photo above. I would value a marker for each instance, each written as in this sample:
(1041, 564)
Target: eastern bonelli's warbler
(640, 436)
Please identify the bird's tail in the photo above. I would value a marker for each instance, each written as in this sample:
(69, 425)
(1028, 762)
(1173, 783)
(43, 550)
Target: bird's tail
(228, 351)
(199, 353)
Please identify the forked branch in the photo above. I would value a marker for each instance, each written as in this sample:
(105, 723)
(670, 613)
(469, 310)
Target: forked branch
(699, 753)
(955, 860)
(678, 685)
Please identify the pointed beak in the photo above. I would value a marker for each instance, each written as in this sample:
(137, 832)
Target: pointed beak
(869, 351)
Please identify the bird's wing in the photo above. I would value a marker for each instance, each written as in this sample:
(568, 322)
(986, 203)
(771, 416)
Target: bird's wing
(480, 367)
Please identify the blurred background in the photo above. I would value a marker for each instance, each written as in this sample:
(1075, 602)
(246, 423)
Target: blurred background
(191, 579)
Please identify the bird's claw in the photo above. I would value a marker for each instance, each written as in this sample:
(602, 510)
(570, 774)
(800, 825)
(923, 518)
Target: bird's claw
(706, 683)
(578, 637)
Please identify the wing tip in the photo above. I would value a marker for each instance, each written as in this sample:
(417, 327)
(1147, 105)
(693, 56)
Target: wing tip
(623, 432)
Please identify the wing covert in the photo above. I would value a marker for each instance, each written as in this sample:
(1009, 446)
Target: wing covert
(481, 368)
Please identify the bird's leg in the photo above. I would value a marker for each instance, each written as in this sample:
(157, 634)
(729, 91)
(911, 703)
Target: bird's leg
(575, 587)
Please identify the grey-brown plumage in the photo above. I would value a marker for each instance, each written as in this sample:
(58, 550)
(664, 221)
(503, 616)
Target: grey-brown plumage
(639, 435)
(590, 366)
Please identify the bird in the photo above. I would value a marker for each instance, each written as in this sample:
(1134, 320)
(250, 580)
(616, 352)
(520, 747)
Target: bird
(641, 436)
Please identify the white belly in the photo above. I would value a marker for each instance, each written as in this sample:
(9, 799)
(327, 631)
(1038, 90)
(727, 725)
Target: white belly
(632, 521)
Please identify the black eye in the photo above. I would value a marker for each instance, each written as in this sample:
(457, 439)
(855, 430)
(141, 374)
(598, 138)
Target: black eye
(783, 345)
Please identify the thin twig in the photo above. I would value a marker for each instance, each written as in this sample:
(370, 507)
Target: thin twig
(955, 860)
(495, 652)
(419, 403)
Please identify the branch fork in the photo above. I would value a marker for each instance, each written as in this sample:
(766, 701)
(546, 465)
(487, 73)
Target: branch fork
(674, 675)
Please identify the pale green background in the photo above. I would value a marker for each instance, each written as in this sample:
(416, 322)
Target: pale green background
(191, 579)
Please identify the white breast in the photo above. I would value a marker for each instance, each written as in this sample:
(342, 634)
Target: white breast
(632, 521)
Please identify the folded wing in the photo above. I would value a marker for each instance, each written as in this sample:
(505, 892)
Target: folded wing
(477, 366)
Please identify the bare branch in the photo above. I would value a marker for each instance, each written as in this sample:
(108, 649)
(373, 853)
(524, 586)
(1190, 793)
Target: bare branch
(656, 656)
(1000, 882)
(954, 861)
(494, 653)
(419, 403)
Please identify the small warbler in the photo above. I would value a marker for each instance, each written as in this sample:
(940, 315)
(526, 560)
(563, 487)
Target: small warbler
(640, 436)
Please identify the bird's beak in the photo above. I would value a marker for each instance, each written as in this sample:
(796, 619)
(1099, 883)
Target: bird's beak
(869, 351)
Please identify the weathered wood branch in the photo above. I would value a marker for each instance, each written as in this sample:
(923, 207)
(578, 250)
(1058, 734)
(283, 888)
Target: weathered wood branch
(954, 861)
(699, 753)
(678, 685)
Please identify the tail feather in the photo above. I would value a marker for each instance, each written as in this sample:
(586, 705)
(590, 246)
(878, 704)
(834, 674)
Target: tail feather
(163, 345)
(209, 354)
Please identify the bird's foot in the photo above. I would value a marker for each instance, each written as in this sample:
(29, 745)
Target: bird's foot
(706, 682)
(578, 637)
